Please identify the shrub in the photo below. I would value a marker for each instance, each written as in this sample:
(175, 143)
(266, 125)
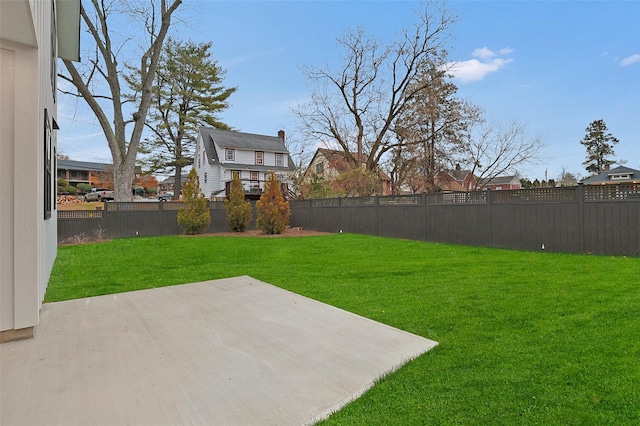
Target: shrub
(195, 217)
(71, 190)
(238, 209)
(83, 188)
(273, 210)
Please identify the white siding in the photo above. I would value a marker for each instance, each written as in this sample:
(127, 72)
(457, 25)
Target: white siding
(28, 242)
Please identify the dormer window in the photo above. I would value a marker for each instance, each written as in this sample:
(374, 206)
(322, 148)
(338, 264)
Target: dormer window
(621, 176)
(259, 158)
(230, 154)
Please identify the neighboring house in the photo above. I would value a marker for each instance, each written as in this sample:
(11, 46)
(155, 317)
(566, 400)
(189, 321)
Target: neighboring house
(455, 180)
(220, 155)
(97, 174)
(329, 164)
(169, 183)
(33, 34)
(75, 172)
(618, 175)
(501, 182)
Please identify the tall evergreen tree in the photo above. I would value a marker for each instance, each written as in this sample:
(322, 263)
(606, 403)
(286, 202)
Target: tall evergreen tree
(188, 94)
(273, 209)
(238, 209)
(599, 146)
(195, 217)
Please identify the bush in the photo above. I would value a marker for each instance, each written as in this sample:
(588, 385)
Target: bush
(83, 188)
(238, 209)
(195, 217)
(273, 210)
(71, 190)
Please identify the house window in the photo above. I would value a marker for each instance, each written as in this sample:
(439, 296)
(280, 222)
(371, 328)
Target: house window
(621, 176)
(320, 168)
(280, 160)
(235, 174)
(259, 158)
(254, 175)
(205, 177)
(48, 192)
(230, 154)
(198, 160)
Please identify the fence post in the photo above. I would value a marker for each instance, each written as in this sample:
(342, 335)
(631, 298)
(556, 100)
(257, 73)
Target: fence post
(489, 202)
(424, 212)
(376, 206)
(340, 214)
(580, 194)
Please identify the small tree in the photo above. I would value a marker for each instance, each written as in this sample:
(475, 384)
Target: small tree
(599, 146)
(273, 210)
(62, 186)
(195, 217)
(238, 209)
(83, 188)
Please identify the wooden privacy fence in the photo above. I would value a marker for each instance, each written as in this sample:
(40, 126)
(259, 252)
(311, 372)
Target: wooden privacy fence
(582, 219)
(131, 219)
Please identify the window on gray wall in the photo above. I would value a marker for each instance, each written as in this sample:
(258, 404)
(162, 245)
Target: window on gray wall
(47, 149)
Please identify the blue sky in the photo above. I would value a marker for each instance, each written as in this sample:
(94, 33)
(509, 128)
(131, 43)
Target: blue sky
(556, 66)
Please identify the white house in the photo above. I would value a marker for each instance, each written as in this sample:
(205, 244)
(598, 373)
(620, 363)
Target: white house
(220, 155)
(33, 34)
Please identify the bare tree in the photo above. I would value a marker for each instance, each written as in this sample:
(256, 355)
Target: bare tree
(567, 178)
(499, 149)
(104, 67)
(354, 107)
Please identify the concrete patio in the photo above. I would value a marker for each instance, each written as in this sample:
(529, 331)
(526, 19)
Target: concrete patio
(235, 351)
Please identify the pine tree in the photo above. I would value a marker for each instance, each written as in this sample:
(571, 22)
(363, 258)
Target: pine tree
(195, 217)
(238, 209)
(599, 146)
(188, 94)
(273, 209)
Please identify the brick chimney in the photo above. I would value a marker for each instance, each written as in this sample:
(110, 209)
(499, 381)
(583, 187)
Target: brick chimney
(606, 166)
(458, 167)
(281, 134)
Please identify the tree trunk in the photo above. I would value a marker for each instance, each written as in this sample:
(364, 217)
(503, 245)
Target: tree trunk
(122, 180)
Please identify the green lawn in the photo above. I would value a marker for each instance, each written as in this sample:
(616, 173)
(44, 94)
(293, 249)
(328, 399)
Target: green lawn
(525, 338)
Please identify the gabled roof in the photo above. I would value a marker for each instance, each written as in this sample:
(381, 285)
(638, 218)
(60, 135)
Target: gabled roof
(338, 161)
(606, 177)
(248, 141)
(459, 175)
(500, 180)
(172, 179)
(243, 141)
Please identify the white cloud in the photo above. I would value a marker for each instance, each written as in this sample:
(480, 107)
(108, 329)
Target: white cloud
(630, 60)
(483, 53)
(474, 70)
